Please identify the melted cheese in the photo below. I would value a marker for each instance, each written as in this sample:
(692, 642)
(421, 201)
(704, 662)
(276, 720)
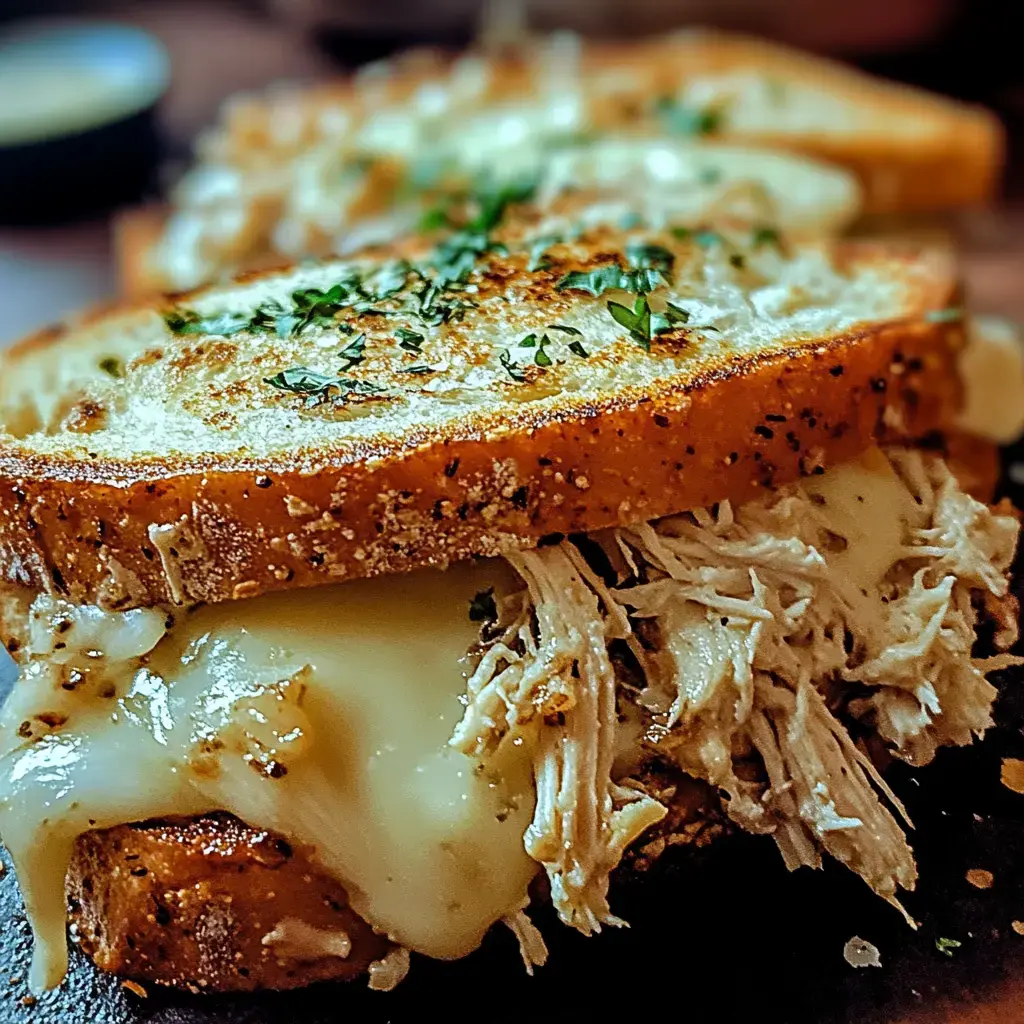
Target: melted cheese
(866, 506)
(323, 715)
(992, 365)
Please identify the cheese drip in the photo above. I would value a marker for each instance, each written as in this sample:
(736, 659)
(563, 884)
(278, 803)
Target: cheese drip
(322, 715)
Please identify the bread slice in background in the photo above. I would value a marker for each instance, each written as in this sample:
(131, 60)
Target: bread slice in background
(295, 172)
(692, 180)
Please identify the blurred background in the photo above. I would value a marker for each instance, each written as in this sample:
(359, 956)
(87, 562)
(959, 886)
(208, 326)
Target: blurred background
(965, 48)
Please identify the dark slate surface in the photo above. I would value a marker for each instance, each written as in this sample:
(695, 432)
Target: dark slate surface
(724, 936)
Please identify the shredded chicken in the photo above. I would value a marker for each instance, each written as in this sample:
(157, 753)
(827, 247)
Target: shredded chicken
(531, 943)
(764, 635)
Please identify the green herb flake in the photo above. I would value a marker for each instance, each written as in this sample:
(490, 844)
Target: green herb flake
(636, 320)
(353, 352)
(947, 946)
(737, 260)
(183, 321)
(596, 281)
(388, 281)
(529, 341)
(411, 341)
(514, 371)
(315, 308)
(565, 330)
(650, 257)
(707, 239)
(492, 201)
(644, 324)
(681, 118)
(577, 349)
(538, 252)
(112, 365)
(611, 278)
(483, 607)
(317, 387)
(419, 368)
(765, 235)
(541, 358)
(435, 219)
(950, 315)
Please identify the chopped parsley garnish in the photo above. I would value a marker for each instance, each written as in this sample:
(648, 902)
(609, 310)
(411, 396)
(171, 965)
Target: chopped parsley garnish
(596, 282)
(419, 368)
(947, 945)
(565, 329)
(737, 260)
(539, 250)
(112, 365)
(411, 341)
(706, 239)
(683, 119)
(764, 235)
(514, 371)
(456, 257)
(577, 349)
(313, 307)
(542, 358)
(650, 257)
(317, 387)
(483, 607)
(950, 315)
(183, 321)
(644, 324)
(386, 282)
(494, 200)
(636, 320)
(435, 219)
(352, 353)
(703, 237)
(610, 278)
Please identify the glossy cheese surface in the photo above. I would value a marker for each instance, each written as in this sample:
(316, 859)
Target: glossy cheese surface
(323, 715)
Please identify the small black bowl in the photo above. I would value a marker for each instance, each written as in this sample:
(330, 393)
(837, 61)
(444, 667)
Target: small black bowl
(78, 130)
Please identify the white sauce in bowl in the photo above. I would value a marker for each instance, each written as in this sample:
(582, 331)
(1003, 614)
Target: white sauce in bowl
(59, 78)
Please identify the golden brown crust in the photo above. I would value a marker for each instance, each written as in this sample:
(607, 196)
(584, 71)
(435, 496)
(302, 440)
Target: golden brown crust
(189, 904)
(239, 527)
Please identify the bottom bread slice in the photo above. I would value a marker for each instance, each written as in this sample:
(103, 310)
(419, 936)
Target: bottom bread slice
(211, 905)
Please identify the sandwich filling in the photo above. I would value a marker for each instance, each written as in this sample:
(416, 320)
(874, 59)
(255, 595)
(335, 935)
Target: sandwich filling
(436, 739)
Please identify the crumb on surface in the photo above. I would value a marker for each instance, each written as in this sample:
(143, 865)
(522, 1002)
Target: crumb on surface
(859, 952)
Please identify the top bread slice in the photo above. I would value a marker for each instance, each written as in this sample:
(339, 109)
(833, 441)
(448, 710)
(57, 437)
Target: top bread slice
(414, 406)
(295, 172)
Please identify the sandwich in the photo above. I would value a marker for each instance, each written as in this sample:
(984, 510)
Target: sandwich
(362, 605)
(322, 170)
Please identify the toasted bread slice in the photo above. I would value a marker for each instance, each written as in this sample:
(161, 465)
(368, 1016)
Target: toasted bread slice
(211, 905)
(690, 179)
(415, 422)
(295, 173)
